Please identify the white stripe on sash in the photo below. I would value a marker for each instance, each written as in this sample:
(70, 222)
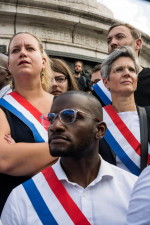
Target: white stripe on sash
(51, 200)
(102, 92)
(118, 136)
(41, 130)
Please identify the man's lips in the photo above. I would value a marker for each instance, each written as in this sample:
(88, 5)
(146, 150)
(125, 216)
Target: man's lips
(58, 138)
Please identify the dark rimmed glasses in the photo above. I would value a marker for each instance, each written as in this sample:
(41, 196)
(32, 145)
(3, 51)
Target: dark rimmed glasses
(66, 116)
(60, 79)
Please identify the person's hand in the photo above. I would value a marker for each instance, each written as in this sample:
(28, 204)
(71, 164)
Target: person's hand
(9, 139)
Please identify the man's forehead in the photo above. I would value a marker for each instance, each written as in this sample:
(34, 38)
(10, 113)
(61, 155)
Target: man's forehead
(119, 29)
(69, 101)
(78, 64)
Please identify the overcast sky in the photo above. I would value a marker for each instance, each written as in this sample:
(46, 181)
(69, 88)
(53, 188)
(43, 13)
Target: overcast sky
(134, 12)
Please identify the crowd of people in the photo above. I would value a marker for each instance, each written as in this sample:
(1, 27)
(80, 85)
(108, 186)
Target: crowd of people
(72, 148)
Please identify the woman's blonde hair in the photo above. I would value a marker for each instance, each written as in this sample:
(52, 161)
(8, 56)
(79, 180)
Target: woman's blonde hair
(46, 73)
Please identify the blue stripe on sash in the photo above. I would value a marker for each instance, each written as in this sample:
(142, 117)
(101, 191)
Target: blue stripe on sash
(121, 154)
(38, 203)
(17, 113)
(101, 94)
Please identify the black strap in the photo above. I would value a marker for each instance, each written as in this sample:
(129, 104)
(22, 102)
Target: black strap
(144, 136)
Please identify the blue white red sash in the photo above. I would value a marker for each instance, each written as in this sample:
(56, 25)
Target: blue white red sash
(121, 140)
(51, 201)
(102, 92)
(26, 112)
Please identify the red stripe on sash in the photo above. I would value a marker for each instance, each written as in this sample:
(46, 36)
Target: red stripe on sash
(123, 129)
(22, 101)
(66, 201)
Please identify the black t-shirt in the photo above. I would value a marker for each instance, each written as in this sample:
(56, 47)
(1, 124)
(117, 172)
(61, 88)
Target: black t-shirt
(20, 132)
(142, 94)
(83, 83)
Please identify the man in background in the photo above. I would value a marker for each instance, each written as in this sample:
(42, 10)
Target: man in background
(81, 79)
(120, 34)
(96, 74)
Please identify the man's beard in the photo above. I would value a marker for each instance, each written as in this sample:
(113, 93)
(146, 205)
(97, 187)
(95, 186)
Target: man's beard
(77, 72)
(74, 151)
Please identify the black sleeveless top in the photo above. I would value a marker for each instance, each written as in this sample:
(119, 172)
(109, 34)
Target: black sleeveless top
(20, 132)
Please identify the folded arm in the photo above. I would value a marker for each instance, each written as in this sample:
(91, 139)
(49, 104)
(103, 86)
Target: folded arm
(21, 159)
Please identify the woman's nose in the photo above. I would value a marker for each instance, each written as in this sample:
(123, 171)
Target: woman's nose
(54, 83)
(23, 52)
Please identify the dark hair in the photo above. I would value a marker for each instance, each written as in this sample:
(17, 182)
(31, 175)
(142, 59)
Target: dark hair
(134, 32)
(60, 66)
(96, 68)
(79, 62)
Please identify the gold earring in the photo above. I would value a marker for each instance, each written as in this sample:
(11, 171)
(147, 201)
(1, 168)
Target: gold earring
(12, 83)
(43, 78)
(43, 82)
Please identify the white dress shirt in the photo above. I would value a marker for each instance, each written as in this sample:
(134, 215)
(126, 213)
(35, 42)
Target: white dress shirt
(104, 201)
(5, 90)
(139, 206)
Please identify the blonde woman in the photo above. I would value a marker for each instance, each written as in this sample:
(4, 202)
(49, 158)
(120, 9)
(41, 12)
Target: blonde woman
(20, 113)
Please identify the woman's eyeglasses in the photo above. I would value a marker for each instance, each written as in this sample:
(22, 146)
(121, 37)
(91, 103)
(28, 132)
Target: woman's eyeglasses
(66, 116)
(59, 79)
(120, 69)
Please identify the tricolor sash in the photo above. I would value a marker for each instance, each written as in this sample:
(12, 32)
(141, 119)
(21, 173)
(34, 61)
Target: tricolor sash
(122, 141)
(27, 113)
(53, 205)
(102, 92)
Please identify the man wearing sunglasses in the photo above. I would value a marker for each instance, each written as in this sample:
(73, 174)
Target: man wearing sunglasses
(81, 188)
(4, 76)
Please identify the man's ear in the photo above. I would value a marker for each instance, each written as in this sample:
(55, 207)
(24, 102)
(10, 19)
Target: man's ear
(138, 44)
(101, 130)
(106, 83)
(8, 76)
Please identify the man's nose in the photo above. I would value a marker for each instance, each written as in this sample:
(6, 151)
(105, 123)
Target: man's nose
(113, 42)
(57, 125)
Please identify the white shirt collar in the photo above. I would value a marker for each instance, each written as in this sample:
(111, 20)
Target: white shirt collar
(105, 170)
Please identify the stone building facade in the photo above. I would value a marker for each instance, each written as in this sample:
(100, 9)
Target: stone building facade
(70, 29)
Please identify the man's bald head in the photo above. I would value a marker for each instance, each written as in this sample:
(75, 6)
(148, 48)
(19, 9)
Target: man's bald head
(3, 60)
